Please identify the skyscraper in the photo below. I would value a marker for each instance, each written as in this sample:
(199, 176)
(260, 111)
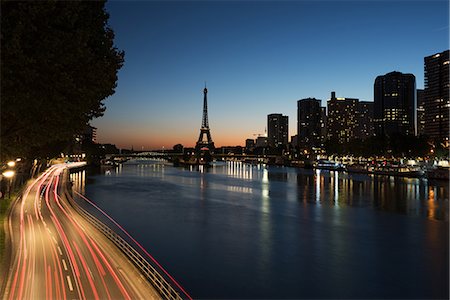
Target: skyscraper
(365, 120)
(436, 96)
(420, 120)
(395, 104)
(342, 118)
(310, 123)
(278, 130)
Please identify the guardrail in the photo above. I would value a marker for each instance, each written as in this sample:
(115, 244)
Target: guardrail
(165, 289)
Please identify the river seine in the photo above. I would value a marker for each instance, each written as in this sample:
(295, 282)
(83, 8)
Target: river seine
(241, 231)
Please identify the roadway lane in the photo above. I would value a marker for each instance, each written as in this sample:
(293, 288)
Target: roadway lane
(57, 254)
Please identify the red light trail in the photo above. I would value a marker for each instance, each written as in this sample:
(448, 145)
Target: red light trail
(53, 246)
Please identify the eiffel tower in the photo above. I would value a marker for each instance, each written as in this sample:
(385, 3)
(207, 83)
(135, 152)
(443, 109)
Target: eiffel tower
(204, 130)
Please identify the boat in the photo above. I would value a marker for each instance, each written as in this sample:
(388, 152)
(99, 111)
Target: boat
(438, 173)
(328, 165)
(356, 168)
(397, 170)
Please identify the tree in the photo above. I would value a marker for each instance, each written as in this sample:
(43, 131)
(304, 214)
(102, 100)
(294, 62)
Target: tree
(178, 148)
(58, 65)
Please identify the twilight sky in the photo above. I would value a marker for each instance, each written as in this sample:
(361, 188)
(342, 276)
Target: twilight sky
(257, 57)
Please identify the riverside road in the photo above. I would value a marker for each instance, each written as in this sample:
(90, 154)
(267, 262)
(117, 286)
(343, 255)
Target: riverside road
(56, 254)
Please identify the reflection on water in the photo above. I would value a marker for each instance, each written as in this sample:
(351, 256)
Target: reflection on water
(410, 196)
(255, 231)
(78, 180)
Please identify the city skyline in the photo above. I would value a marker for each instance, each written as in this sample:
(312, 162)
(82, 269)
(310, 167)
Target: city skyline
(257, 58)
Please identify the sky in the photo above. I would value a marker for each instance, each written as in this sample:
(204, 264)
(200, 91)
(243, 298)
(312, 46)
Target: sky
(257, 58)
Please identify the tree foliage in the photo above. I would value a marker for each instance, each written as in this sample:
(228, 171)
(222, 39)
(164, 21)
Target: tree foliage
(58, 65)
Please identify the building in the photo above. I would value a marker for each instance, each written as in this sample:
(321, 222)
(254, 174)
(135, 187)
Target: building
(229, 150)
(294, 141)
(249, 145)
(342, 119)
(310, 123)
(89, 134)
(365, 120)
(395, 104)
(261, 142)
(277, 130)
(420, 118)
(436, 97)
(323, 124)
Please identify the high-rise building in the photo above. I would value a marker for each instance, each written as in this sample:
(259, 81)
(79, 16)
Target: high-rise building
(420, 119)
(310, 123)
(323, 124)
(436, 97)
(395, 104)
(365, 120)
(342, 119)
(277, 130)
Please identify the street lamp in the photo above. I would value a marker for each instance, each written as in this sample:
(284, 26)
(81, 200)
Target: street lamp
(11, 164)
(9, 174)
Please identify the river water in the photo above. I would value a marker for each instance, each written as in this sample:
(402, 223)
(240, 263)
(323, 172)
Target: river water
(242, 231)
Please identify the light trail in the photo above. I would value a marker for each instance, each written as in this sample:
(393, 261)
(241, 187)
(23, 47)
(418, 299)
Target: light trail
(53, 246)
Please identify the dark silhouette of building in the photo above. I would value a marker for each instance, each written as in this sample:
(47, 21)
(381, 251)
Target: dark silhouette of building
(278, 130)
(365, 120)
(310, 123)
(294, 141)
(436, 97)
(204, 144)
(420, 119)
(323, 124)
(249, 145)
(395, 104)
(342, 122)
(261, 142)
(89, 135)
(229, 150)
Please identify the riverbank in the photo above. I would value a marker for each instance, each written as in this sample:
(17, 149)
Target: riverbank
(409, 169)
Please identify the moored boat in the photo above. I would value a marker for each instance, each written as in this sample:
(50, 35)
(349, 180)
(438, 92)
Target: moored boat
(356, 168)
(328, 165)
(438, 173)
(397, 170)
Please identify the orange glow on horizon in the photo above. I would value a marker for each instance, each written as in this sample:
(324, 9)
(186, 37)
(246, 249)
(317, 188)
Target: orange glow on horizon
(138, 143)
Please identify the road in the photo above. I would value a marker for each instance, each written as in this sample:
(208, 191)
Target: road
(57, 254)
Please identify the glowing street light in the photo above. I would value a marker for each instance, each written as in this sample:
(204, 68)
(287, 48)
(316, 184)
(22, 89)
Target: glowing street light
(11, 164)
(9, 174)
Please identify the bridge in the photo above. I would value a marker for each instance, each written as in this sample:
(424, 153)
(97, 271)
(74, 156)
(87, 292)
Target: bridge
(169, 156)
(148, 154)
